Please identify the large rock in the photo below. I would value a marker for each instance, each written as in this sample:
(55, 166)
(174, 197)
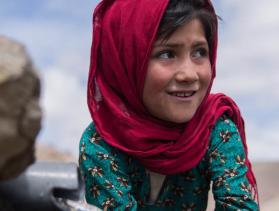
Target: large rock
(20, 113)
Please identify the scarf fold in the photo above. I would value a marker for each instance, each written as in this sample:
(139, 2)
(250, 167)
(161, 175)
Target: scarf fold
(123, 35)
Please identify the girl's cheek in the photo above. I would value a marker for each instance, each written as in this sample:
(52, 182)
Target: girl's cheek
(158, 76)
(206, 74)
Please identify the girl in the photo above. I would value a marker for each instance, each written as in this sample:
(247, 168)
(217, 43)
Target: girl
(159, 138)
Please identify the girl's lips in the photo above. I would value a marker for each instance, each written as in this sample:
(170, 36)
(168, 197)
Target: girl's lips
(187, 96)
(182, 94)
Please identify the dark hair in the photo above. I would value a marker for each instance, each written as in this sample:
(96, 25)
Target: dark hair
(179, 12)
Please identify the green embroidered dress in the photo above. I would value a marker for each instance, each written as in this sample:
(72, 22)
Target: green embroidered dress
(115, 180)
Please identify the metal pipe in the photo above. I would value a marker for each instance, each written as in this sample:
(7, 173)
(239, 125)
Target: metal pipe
(46, 186)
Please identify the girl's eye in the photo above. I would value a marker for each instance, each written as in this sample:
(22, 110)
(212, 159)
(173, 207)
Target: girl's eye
(200, 53)
(165, 55)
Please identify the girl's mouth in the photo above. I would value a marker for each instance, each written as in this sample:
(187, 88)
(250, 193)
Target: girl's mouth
(183, 94)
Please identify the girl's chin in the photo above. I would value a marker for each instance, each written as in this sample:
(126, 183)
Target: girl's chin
(179, 119)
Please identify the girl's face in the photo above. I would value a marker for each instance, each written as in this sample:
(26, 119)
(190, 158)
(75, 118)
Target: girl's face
(178, 75)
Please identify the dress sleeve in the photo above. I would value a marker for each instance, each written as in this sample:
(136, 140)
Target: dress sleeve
(107, 183)
(227, 169)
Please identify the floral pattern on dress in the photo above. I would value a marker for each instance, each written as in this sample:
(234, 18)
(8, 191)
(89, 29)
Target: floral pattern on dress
(116, 181)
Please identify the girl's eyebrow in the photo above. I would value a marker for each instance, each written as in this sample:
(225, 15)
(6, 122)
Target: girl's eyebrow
(200, 43)
(180, 45)
(169, 45)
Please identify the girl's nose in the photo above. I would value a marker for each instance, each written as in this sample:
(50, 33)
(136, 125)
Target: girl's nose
(187, 72)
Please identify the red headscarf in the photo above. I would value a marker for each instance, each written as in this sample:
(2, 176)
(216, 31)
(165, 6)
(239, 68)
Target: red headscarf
(123, 35)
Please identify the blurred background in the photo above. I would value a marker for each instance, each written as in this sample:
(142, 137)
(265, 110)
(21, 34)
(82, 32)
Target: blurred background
(57, 35)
